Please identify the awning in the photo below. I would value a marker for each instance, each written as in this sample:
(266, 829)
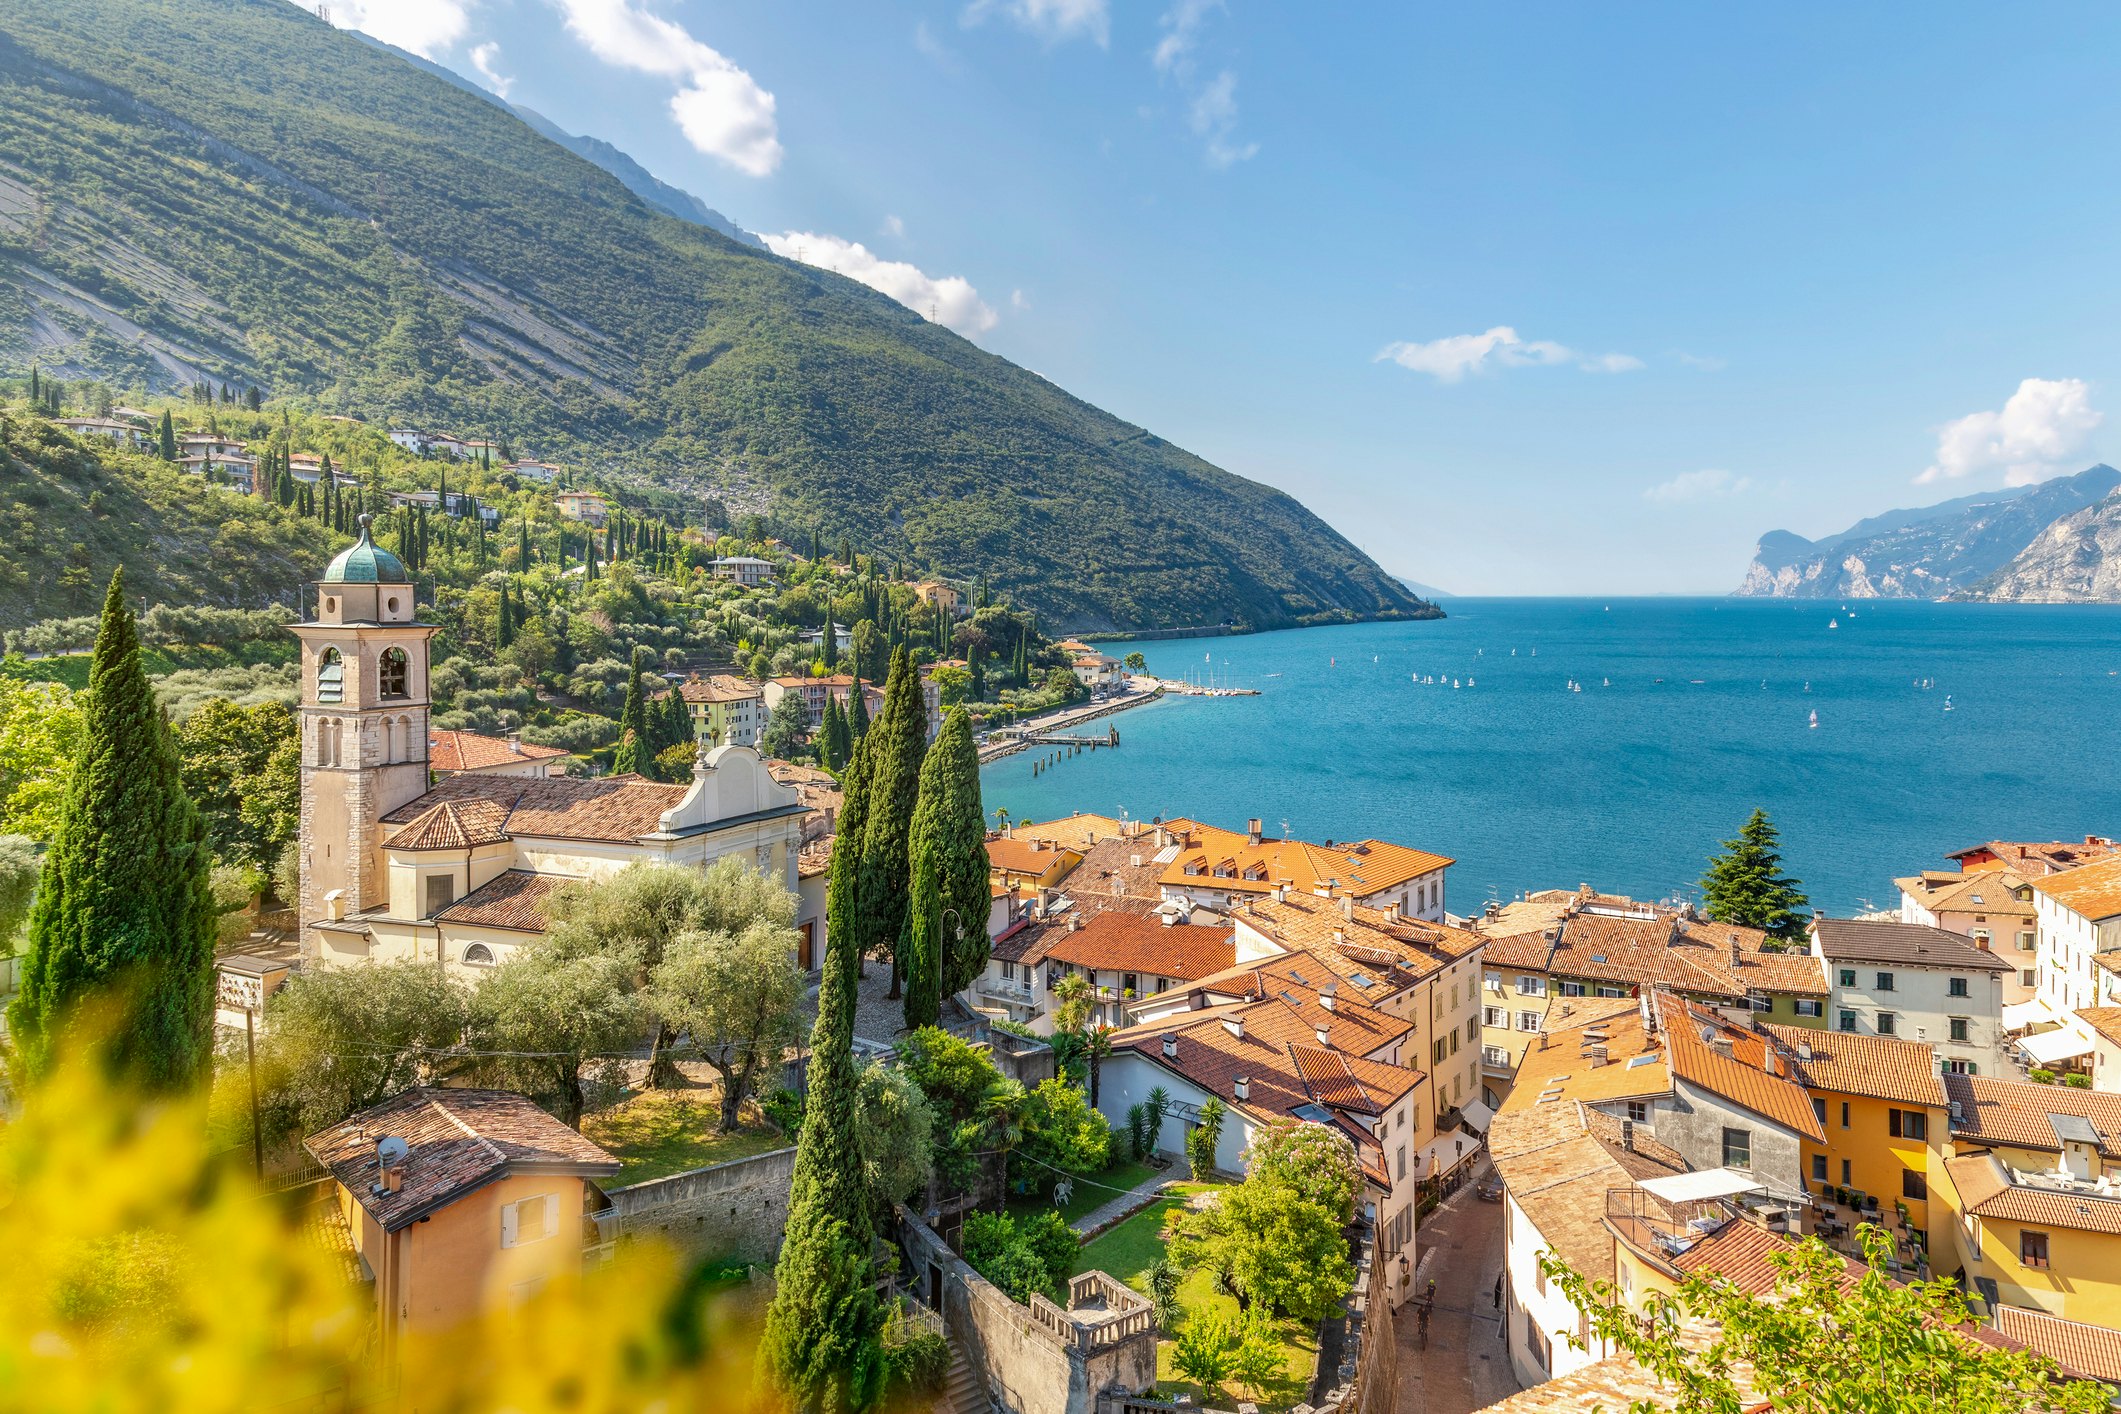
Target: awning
(1709, 1183)
(2035, 1011)
(2065, 1044)
(1446, 1154)
(1476, 1116)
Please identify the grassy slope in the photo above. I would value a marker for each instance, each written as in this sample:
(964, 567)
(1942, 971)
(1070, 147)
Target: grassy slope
(69, 515)
(272, 200)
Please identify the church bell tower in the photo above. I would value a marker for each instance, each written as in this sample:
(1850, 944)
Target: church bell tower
(364, 727)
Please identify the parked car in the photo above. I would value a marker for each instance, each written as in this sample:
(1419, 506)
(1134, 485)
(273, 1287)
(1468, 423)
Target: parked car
(1491, 1188)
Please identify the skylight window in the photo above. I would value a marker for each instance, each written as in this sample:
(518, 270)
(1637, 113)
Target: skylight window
(1646, 1058)
(1361, 981)
(1598, 957)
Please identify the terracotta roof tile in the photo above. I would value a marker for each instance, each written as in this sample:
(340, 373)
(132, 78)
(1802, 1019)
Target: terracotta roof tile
(1991, 891)
(2084, 1349)
(1904, 944)
(2106, 1020)
(618, 809)
(2092, 891)
(1078, 831)
(460, 1141)
(2014, 1113)
(1374, 935)
(468, 751)
(1560, 1060)
(1022, 856)
(454, 824)
(1615, 1383)
(1349, 1082)
(1125, 942)
(717, 687)
(1748, 1072)
(513, 899)
(2031, 859)
(1882, 1067)
(1986, 1190)
(1212, 1058)
(1358, 867)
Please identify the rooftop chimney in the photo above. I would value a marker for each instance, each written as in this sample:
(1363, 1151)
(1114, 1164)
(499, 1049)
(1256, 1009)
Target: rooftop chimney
(1804, 1050)
(1328, 995)
(391, 1153)
(1134, 861)
(1235, 1025)
(1252, 831)
(515, 743)
(1170, 1046)
(1340, 935)
(1347, 906)
(1241, 1087)
(1325, 1037)
(1280, 893)
(1627, 1135)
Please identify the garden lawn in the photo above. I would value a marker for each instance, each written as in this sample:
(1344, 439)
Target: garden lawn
(1128, 1250)
(661, 1132)
(1092, 1191)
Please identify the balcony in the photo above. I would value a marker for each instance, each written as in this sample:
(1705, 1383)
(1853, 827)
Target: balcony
(1015, 993)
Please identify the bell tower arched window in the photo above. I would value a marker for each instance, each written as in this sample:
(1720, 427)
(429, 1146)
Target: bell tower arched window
(331, 676)
(394, 674)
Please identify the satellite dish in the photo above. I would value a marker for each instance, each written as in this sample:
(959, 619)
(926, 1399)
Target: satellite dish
(391, 1151)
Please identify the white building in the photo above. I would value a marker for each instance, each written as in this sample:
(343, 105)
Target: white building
(2078, 917)
(123, 433)
(1918, 983)
(747, 570)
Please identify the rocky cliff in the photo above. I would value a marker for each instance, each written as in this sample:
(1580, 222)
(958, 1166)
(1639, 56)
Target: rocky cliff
(1926, 552)
(2077, 560)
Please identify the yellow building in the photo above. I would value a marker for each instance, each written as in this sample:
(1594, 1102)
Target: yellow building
(459, 1202)
(2033, 1187)
(1029, 864)
(1882, 1106)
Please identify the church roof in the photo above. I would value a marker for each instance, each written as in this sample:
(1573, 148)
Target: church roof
(617, 809)
(365, 562)
(454, 824)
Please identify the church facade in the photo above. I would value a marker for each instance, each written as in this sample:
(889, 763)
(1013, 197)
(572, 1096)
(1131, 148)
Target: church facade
(457, 872)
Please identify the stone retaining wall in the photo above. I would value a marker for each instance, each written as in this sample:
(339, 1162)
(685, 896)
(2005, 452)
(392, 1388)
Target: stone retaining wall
(733, 1210)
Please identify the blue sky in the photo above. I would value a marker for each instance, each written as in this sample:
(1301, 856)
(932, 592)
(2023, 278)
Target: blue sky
(1526, 299)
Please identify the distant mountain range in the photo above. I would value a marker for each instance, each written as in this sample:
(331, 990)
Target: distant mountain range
(2077, 560)
(1426, 591)
(1969, 547)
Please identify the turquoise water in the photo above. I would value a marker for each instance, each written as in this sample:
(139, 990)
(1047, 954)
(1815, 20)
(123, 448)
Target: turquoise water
(1629, 786)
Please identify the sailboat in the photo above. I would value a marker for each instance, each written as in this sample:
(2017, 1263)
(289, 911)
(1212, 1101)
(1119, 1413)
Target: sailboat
(1815, 719)
(1947, 702)
(1833, 623)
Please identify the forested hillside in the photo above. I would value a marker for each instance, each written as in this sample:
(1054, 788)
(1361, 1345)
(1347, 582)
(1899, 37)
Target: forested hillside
(233, 190)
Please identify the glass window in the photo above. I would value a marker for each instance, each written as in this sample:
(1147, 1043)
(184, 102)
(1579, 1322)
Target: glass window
(1848, 976)
(1907, 1124)
(331, 676)
(1494, 1016)
(1737, 1148)
(1885, 982)
(1848, 1021)
(1818, 1168)
(394, 674)
(1528, 1021)
(1572, 989)
(1844, 1114)
(1886, 1022)
(1819, 1110)
(529, 1220)
(2032, 1249)
(1845, 1179)
(1913, 1185)
(1639, 1111)
(1958, 987)
(1959, 1028)
(1810, 1006)
(2025, 940)
(1612, 991)
(441, 892)
(478, 955)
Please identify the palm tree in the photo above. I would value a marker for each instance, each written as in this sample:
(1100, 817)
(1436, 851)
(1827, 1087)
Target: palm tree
(1004, 1108)
(1097, 1044)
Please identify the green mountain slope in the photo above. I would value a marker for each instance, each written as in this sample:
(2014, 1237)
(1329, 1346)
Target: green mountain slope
(232, 189)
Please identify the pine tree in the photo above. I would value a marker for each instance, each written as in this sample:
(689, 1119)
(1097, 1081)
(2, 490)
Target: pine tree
(635, 752)
(123, 898)
(820, 1348)
(948, 898)
(167, 442)
(897, 743)
(1745, 884)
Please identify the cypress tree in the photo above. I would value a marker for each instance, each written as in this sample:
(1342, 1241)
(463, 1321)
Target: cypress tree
(167, 442)
(36, 385)
(820, 1348)
(897, 744)
(831, 645)
(857, 716)
(635, 752)
(677, 719)
(978, 690)
(123, 900)
(948, 898)
(523, 546)
(504, 629)
(1745, 884)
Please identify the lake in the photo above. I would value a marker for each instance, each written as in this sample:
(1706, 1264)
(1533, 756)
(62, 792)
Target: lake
(1692, 712)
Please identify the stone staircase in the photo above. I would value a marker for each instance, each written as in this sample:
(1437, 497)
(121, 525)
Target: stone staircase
(962, 1391)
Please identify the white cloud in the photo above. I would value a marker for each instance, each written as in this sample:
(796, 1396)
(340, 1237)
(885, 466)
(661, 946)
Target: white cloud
(950, 300)
(2032, 437)
(943, 56)
(1019, 301)
(893, 226)
(1214, 117)
(426, 27)
(1051, 20)
(1688, 487)
(1707, 363)
(486, 58)
(1181, 25)
(720, 108)
(1453, 357)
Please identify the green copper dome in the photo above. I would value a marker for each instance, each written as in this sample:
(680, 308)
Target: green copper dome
(365, 562)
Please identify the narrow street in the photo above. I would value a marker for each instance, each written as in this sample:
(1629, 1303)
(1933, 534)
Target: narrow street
(1461, 1366)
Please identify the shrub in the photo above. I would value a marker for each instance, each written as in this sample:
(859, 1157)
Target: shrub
(1036, 1255)
(2041, 1076)
(1164, 1277)
(915, 1357)
(784, 1111)
(1202, 1139)
(1138, 1132)
(2077, 1080)
(1054, 1243)
(1205, 1350)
